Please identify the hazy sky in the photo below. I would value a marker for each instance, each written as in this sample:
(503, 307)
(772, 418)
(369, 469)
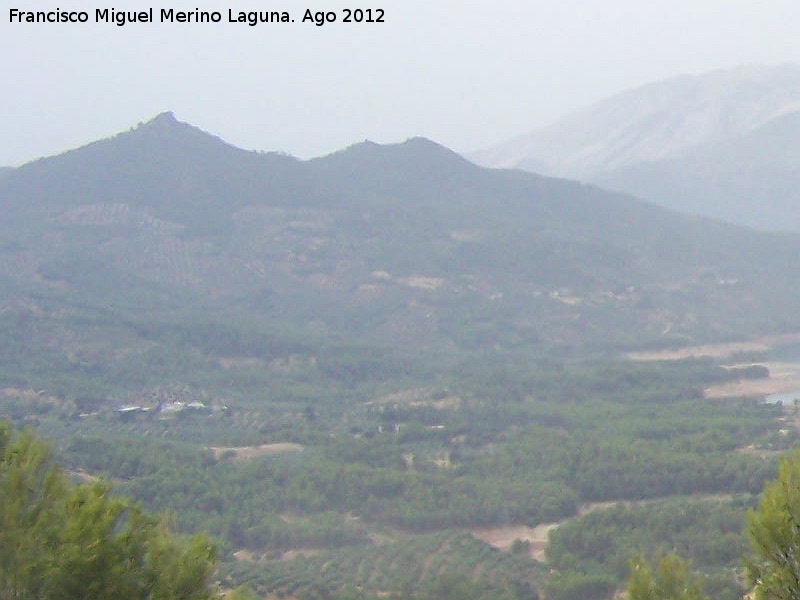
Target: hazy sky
(466, 74)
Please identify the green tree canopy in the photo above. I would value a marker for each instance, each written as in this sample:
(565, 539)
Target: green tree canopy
(773, 567)
(60, 541)
(672, 580)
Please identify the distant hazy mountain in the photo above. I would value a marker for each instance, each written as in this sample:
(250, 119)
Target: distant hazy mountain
(753, 179)
(653, 122)
(408, 245)
(713, 144)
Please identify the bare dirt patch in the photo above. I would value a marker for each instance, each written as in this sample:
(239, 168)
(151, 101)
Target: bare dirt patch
(250, 452)
(759, 452)
(503, 537)
(245, 555)
(82, 475)
(417, 397)
(296, 552)
(32, 395)
(590, 507)
(783, 377)
(717, 350)
(422, 283)
(411, 396)
(251, 556)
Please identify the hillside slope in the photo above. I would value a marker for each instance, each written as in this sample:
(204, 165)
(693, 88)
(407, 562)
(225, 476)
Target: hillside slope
(408, 245)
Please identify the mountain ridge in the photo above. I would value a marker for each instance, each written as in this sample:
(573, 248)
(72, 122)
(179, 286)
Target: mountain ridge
(751, 179)
(405, 244)
(653, 121)
(709, 144)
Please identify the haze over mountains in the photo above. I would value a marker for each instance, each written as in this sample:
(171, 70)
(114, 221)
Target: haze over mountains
(408, 245)
(725, 144)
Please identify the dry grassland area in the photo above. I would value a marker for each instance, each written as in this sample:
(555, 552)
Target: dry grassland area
(783, 376)
(250, 452)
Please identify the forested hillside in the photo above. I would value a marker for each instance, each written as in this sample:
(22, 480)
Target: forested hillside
(406, 245)
(388, 370)
(393, 493)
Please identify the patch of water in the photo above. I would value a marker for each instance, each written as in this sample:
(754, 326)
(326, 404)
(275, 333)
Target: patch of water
(785, 398)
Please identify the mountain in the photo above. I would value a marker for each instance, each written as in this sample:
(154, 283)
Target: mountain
(166, 247)
(653, 122)
(722, 144)
(752, 179)
(174, 169)
(358, 367)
